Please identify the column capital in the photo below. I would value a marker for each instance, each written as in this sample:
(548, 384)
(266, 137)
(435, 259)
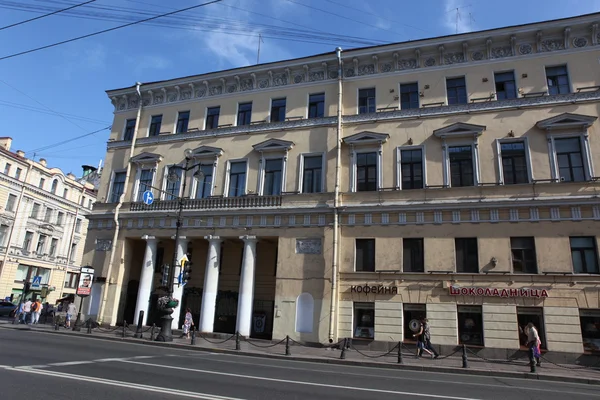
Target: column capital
(212, 238)
(180, 237)
(248, 238)
(148, 237)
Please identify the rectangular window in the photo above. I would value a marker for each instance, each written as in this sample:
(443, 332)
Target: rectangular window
(118, 187)
(60, 218)
(71, 280)
(558, 80)
(155, 125)
(584, 255)
(364, 320)
(129, 129)
(461, 166)
(237, 179)
(65, 193)
(365, 255)
(18, 173)
(73, 254)
(7, 168)
(470, 325)
(244, 116)
(172, 184)
(412, 255)
(506, 87)
(366, 101)
(90, 203)
(212, 117)
(411, 168)
(3, 235)
(569, 157)
(366, 172)
(316, 105)
(273, 175)
(11, 203)
(412, 315)
(27, 241)
(78, 226)
(54, 186)
(514, 163)
(523, 255)
(145, 183)
(204, 184)
(590, 330)
(48, 215)
(183, 120)
(312, 174)
(42, 183)
(409, 96)
(278, 110)
(53, 247)
(41, 244)
(534, 315)
(467, 257)
(456, 90)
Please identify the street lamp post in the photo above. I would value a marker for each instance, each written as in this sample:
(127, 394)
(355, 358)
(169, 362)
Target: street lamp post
(166, 333)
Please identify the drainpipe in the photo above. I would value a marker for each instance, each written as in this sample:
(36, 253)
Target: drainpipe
(336, 205)
(118, 207)
(12, 228)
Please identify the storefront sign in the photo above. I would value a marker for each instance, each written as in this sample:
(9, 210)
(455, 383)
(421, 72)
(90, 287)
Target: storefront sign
(479, 291)
(379, 289)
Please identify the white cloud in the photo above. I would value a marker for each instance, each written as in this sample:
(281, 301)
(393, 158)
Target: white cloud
(451, 22)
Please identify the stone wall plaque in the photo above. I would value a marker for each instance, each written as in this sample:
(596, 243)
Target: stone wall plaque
(103, 244)
(308, 246)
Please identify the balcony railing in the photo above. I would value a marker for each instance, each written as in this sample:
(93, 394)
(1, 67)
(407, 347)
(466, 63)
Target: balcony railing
(211, 203)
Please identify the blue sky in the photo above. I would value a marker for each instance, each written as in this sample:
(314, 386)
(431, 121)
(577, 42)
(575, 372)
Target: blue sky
(71, 79)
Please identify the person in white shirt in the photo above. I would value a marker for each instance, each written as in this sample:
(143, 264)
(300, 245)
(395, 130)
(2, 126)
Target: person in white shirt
(27, 311)
(71, 312)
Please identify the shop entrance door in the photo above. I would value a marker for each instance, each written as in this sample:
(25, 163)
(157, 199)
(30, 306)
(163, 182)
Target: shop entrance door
(525, 315)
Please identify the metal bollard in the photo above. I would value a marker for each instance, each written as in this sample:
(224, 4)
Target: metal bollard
(287, 345)
(531, 361)
(124, 327)
(89, 326)
(399, 352)
(465, 360)
(237, 341)
(193, 337)
(56, 327)
(152, 332)
(138, 332)
(343, 353)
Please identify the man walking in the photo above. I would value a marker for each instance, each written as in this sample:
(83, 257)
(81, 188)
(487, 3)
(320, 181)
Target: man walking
(36, 310)
(427, 337)
(27, 312)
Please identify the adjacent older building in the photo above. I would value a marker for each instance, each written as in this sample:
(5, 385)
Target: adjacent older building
(349, 194)
(43, 225)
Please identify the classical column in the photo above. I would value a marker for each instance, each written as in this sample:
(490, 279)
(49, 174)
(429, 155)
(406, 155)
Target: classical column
(211, 284)
(246, 293)
(145, 287)
(181, 248)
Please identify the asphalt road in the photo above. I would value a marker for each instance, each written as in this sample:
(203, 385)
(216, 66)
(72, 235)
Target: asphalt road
(42, 365)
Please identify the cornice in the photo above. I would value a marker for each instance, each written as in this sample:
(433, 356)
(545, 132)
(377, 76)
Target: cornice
(428, 112)
(579, 33)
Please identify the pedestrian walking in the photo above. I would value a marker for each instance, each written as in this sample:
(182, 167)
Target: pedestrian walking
(533, 343)
(187, 323)
(27, 311)
(71, 311)
(36, 311)
(427, 338)
(421, 341)
(18, 314)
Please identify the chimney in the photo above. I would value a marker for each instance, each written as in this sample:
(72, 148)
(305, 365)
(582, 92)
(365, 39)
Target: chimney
(87, 169)
(5, 142)
(21, 153)
(43, 161)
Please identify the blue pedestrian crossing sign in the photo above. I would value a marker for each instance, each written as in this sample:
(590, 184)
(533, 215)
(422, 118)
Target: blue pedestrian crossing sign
(147, 197)
(37, 282)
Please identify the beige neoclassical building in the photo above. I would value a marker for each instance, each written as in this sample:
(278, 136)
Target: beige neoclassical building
(351, 193)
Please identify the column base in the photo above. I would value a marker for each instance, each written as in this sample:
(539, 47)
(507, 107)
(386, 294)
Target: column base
(165, 334)
(77, 325)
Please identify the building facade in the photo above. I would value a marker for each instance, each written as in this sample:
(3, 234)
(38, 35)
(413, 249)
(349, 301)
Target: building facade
(351, 193)
(43, 226)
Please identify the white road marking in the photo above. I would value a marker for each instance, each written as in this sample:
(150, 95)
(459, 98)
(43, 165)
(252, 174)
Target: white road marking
(68, 363)
(451, 382)
(128, 385)
(260, 378)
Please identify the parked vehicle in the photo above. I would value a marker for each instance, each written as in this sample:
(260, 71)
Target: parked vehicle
(7, 309)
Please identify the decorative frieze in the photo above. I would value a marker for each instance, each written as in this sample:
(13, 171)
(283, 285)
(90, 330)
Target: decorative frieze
(456, 216)
(555, 213)
(368, 219)
(307, 220)
(385, 218)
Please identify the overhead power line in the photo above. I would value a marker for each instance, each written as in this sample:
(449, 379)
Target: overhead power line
(48, 112)
(45, 15)
(108, 30)
(50, 146)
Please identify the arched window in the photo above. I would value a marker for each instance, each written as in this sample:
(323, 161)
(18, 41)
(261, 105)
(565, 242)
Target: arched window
(54, 186)
(305, 306)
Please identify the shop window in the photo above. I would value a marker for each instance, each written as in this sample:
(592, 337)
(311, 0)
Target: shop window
(412, 315)
(470, 325)
(590, 330)
(525, 315)
(364, 320)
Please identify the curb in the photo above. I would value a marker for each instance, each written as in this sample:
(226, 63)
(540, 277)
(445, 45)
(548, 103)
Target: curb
(357, 363)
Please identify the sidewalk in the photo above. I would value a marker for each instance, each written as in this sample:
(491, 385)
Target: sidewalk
(261, 348)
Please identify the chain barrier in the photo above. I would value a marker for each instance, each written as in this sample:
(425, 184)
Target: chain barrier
(410, 351)
(216, 342)
(109, 330)
(496, 361)
(449, 355)
(377, 356)
(268, 346)
(576, 367)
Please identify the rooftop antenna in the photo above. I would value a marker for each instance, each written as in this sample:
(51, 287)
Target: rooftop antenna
(258, 54)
